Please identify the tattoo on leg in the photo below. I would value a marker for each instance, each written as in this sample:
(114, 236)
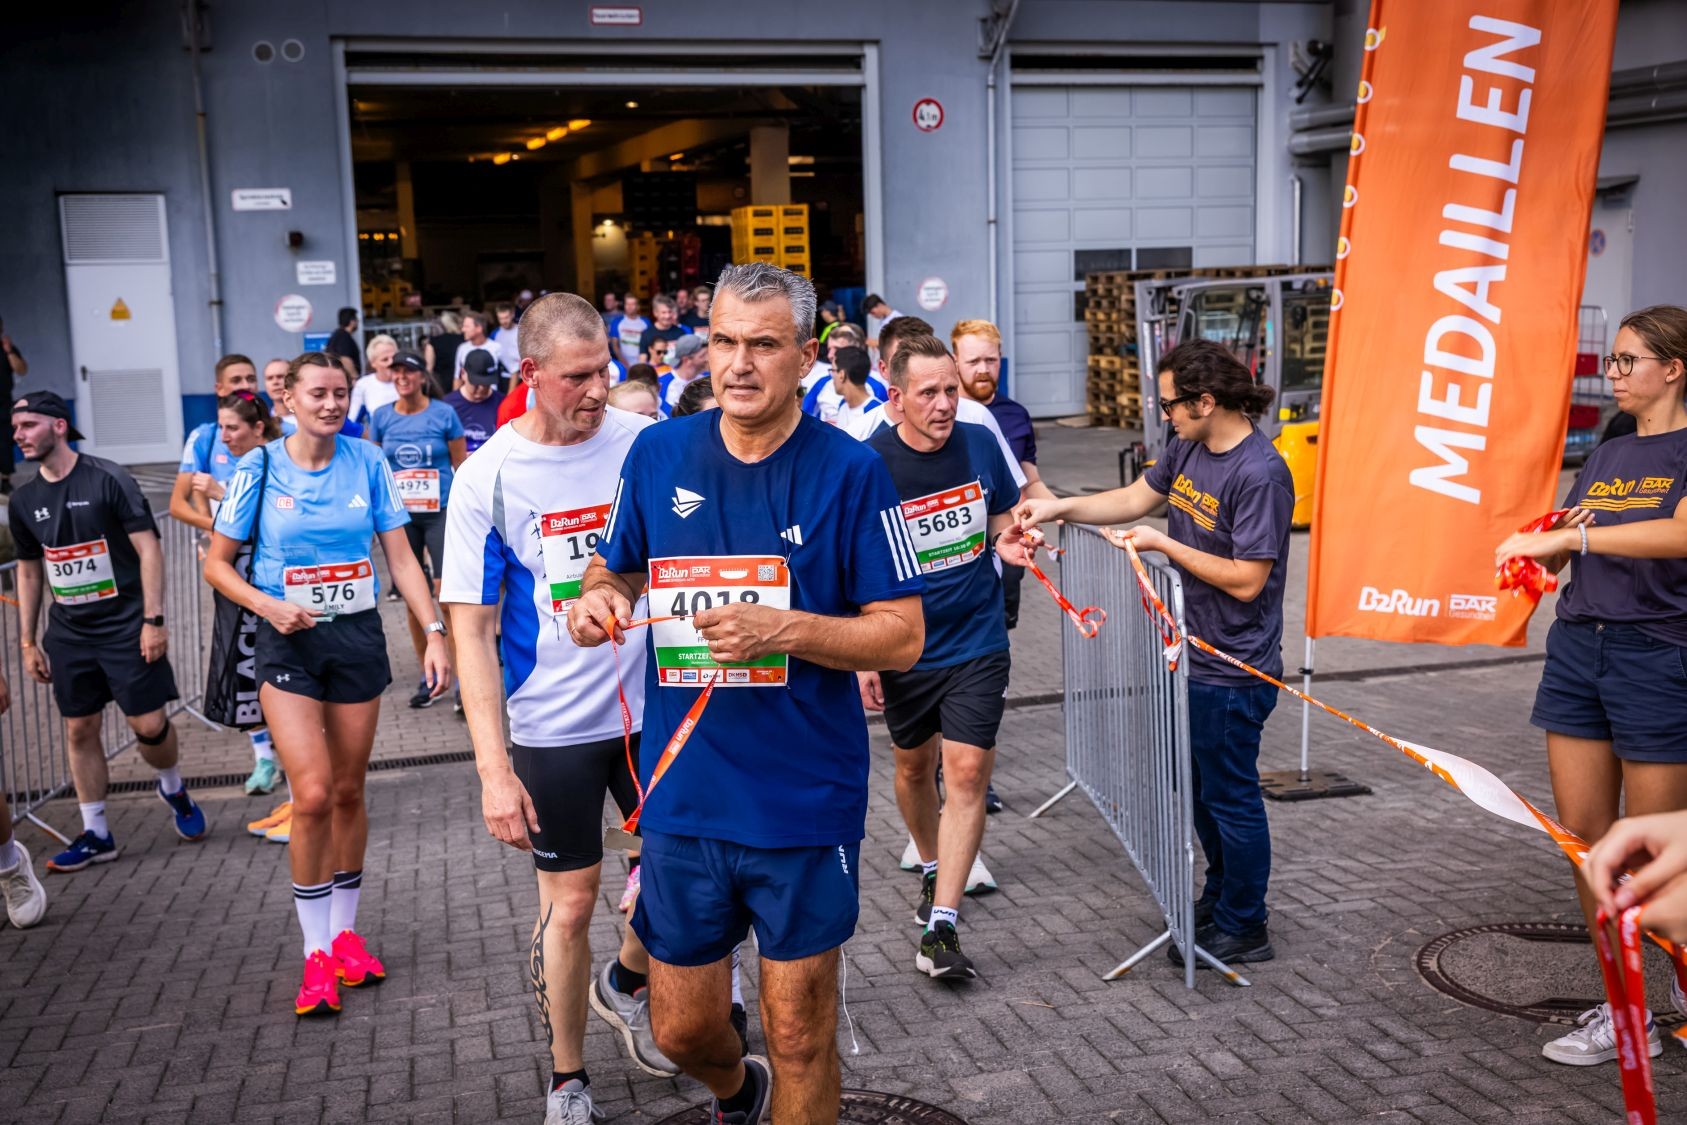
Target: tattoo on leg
(536, 970)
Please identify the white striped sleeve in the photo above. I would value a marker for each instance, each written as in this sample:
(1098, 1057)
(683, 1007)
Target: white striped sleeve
(901, 546)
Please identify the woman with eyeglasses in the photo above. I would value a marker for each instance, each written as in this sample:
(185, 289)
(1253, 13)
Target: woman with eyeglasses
(1613, 695)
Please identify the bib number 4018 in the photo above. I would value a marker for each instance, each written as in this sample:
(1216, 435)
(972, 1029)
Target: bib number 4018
(696, 601)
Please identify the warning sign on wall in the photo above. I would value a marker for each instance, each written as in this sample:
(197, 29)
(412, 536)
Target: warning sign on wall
(120, 311)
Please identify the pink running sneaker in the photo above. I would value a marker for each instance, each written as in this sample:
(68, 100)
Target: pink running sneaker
(355, 965)
(630, 895)
(319, 995)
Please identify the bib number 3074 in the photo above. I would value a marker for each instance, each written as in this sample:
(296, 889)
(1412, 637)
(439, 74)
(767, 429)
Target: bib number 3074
(81, 572)
(684, 587)
(332, 589)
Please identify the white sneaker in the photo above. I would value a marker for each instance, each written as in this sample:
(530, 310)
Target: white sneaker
(1595, 1041)
(911, 856)
(979, 879)
(26, 898)
(571, 1104)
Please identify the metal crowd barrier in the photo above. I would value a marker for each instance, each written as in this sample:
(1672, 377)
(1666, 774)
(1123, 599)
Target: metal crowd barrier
(1127, 733)
(34, 768)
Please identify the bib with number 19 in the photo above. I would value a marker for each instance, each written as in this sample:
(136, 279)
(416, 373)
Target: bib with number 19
(681, 587)
(567, 541)
(947, 527)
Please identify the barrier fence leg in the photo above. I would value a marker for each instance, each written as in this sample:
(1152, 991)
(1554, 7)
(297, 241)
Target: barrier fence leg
(1223, 970)
(1052, 801)
(48, 829)
(1308, 784)
(194, 711)
(1135, 959)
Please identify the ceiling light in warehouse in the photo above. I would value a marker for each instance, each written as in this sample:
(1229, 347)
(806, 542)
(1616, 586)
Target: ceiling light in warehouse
(632, 105)
(794, 161)
(501, 158)
(579, 123)
(535, 144)
(557, 134)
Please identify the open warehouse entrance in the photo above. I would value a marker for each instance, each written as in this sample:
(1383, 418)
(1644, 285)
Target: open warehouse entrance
(474, 179)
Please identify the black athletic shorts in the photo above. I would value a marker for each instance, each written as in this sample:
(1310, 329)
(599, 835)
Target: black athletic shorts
(963, 703)
(427, 529)
(566, 785)
(338, 661)
(87, 676)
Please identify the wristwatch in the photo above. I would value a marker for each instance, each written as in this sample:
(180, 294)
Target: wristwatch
(435, 627)
(155, 621)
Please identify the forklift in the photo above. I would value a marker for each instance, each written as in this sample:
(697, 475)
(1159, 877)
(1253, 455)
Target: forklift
(1278, 327)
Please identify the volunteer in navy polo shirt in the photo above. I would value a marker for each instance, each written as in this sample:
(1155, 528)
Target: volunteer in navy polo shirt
(1227, 533)
(791, 579)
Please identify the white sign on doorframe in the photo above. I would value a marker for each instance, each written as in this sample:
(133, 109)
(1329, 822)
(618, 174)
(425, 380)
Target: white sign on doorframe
(316, 273)
(617, 17)
(292, 313)
(263, 199)
(934, 294)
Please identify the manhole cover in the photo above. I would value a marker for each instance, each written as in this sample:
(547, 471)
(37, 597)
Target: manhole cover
(860, 1107)
(1541, 971)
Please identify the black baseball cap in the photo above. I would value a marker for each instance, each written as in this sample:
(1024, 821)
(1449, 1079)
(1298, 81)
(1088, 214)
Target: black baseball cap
(482, 370)
(48, 405)
(410, 360)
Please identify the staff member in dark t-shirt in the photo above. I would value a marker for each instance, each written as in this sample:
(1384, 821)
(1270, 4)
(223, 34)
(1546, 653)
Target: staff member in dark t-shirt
(1227, 533)
(84, 525)
(1611, 697)
(342, 345)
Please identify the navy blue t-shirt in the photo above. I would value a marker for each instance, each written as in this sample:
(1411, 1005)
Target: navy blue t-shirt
(948, 498)
(1626, 480)
(779, 759)
(1015, 422)
(1237, 505)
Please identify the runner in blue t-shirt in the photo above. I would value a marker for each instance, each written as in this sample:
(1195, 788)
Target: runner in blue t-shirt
(1227, 533)
(424, 441)
(783, 581)
(204, 455)
(311, 503)
(957, 494)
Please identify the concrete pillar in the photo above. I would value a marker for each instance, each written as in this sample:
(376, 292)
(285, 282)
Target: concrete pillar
(407, 243)
(770, 164)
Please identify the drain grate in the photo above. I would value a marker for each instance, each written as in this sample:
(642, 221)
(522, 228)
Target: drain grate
(860, 1107)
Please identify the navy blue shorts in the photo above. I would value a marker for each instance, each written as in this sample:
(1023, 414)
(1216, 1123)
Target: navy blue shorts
(697, 898)
(1616, 684)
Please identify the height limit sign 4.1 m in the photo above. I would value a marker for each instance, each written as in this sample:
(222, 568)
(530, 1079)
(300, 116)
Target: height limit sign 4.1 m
(928, 115)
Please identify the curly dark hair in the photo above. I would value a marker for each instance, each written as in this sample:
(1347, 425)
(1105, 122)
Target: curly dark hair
(1203, 367)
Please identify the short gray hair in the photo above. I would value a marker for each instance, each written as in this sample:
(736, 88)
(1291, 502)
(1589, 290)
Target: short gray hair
(847, 331)
(558, 316)
(758, 281)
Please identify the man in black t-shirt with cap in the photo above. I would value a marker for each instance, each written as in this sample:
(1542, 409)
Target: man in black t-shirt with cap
(85, 526)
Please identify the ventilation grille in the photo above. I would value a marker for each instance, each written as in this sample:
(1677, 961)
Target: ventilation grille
(113, 228)
(128, 407)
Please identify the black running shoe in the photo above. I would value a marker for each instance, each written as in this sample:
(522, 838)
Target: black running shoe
(992, 803)
(741, 1024)
(423, 697)
(928, 895)
(755, 1070)
(1232, 949)
(940, 955)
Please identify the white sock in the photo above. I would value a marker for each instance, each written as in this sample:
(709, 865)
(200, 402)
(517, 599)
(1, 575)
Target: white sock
(170, 780)
(312, 904)
(343, 912)
(927, 868)
(8, 855)
(737, 981)
(93, 818)
(943, 914)
(289, 788)
(262, 748)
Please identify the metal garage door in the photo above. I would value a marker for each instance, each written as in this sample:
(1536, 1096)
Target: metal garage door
(1117, 177)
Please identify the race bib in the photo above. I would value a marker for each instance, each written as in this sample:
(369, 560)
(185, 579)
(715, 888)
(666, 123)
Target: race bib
(948, 527)
(332, 589)
(419, 489)
(682, 587)
(567, 541)
(80, 573)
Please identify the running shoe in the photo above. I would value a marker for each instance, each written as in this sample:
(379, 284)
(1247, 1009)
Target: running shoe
(571, 1104)
(423, 698)
(1595, 1040)
(755, 1070)
(26, 898)
(911, 856)
(281, 833)
(280, 814)
(940, 955)
(266, 774)
(630, 894)
(928, 895)
(190, 818)
(979, 879)
(354, 965)
(630, 1015)
(992, 803)
(457, 706)
(319, 995)
(84, 850)
(740, 1020)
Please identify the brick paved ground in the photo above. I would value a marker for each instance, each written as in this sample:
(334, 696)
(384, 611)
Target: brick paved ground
(157, 988)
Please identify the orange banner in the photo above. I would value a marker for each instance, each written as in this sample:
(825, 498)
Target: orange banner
(1453, 334)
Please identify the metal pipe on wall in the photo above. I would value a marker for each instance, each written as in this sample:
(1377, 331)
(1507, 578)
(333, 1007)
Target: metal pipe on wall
(191, 26)
(998, 37)
(1295, 188)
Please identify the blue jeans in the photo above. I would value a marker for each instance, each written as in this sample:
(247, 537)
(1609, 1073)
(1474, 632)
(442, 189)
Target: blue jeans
(1224, 728)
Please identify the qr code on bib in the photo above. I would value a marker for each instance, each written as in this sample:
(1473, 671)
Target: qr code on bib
(765, 572)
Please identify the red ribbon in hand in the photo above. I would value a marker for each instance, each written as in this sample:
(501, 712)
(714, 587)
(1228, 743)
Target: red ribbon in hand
(1527, 576)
